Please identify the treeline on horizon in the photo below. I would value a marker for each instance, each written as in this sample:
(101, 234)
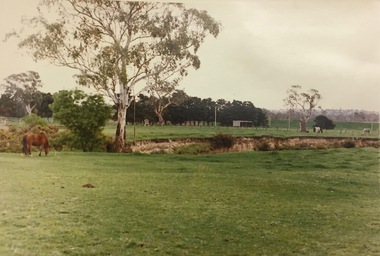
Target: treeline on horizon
(191, 110)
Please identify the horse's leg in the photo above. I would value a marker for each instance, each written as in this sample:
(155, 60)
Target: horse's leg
(40, 148)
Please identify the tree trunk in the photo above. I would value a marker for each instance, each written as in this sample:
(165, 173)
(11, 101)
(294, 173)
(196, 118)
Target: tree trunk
(161, 120)
(303, 124)
(29, 109)
(159, 109)
(123, 104)
(120, 136)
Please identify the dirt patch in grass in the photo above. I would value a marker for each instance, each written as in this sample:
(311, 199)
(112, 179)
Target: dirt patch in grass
(261, 143)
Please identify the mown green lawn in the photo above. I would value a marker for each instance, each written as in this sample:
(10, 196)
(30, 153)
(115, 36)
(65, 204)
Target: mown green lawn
(140, 132)
(324, 202)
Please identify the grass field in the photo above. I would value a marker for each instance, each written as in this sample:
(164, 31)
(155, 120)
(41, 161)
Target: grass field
(324, 202)
(278, 129)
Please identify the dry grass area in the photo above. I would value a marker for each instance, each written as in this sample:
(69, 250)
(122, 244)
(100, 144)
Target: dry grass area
(261, 143)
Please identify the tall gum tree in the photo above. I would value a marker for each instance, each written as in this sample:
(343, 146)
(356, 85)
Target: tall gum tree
(23, 88)
(164, 93)
(117, 45)
(306, 102)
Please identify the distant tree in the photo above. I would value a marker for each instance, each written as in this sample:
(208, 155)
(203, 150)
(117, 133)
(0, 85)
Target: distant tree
(323, 122)
(162, 96)
(43, 109)
(177, 114)
(23, 88)
(208, 106)
(9, 107)
(261, 118)
(141, 109)
(193, 110)
(241, 110)
(305, 101)
(84, 116)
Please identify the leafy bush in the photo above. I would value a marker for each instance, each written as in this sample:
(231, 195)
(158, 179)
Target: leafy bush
(110, 145)
(324, 122)
(348, 144)
(9, 142)
(222, 140)
(84, 116)
(33, 120)
(263, 146)
(71, 141)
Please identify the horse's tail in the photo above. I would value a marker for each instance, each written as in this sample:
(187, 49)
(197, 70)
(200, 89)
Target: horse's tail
(24, 145)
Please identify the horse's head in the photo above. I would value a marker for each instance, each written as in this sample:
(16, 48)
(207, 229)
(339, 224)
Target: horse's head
(45, 142)
(47, 148)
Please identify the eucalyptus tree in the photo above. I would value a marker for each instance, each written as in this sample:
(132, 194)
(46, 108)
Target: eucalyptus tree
(23, 89)
(307, 102)
(117, 45)
(164, 94)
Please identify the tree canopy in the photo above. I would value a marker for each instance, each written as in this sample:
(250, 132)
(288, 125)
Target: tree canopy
(324, 122)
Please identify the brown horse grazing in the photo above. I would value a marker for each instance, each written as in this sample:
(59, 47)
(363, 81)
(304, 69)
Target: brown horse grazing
(35, 139)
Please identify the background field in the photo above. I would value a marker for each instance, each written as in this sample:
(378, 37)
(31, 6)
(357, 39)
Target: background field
(278, 129)
(323, 202)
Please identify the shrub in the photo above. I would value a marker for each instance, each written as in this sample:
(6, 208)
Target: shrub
(110, 145)
(72, 141)
(9, 142)
(84, 116)
(263, 146)
(348, 144)
(222, 140)
(33, 120)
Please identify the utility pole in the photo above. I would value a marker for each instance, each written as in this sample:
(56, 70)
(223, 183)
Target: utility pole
(216, 108)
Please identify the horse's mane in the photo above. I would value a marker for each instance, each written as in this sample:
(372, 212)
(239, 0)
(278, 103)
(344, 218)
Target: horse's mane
(43, 134)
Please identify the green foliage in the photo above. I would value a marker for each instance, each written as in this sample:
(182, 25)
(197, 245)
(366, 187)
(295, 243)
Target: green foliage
(323, 122)
(263, 146)
(33, 120)
(43, 108)
(222, 141)
(84, 116)
(192, 109)
(349, 144)
(9, 141)
(69, 140)
(10, 107)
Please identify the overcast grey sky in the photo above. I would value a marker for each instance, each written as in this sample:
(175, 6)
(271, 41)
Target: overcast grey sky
(263, 49)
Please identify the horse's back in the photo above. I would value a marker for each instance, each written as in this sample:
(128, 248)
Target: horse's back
(35, 138)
